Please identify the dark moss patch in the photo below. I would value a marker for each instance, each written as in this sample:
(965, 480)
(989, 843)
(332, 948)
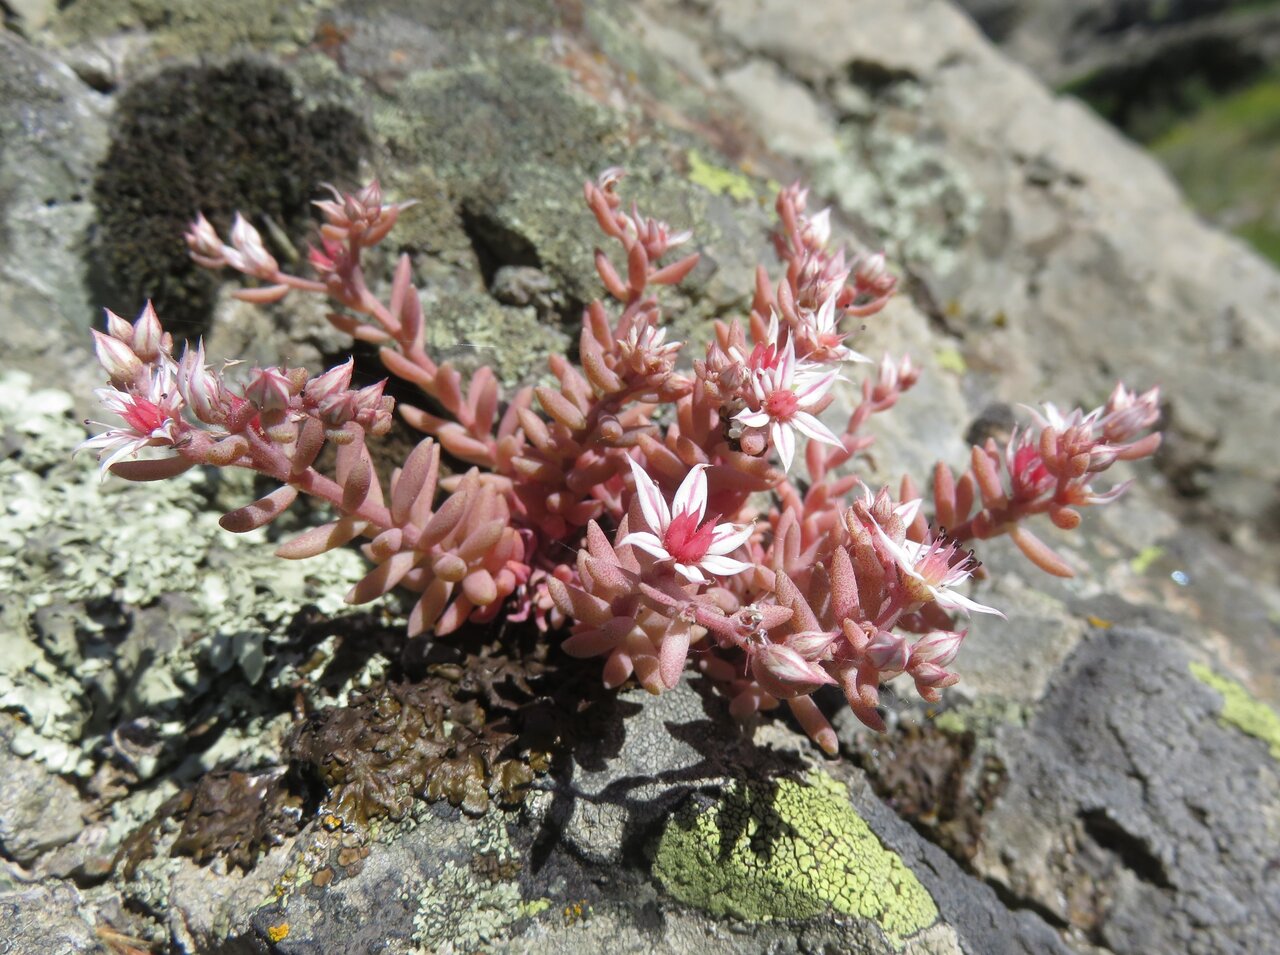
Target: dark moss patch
(403, 741)
(238, 815)
(463, 722)
(212, 139)
(938, 781)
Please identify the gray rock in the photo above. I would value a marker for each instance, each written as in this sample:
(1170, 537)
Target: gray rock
(1133, 813)
(50, 917)
(38, 809)
(52, 133)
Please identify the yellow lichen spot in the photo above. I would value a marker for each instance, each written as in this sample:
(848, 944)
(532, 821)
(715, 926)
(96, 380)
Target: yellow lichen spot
(1241, 710)
(1099, 623)
(950, 722)
(1143, 560)
(331, 822)
(718, 181)
(576, 912)
(278, 933)
(950, 359)
(789, 849)
(534, 907)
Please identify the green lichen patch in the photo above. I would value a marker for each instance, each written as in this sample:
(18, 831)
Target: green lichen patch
(788, 849)
(215, 139)
(718, 180)
(1240, 710)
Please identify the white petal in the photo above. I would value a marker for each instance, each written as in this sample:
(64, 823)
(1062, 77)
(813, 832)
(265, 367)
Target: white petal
(786, 366)
(652, 503)
(784, 440)
(904, 558)
(826, 317)
(949, 600)
(647, 543)
(814, 388)
(752, 419)
(723, 566)
(691, 573)
(807, 424)
(907, 510)
(726, 538)
(691, 496)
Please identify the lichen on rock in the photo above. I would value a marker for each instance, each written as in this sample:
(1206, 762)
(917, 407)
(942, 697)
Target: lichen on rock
(1241, 710)
(789, 850)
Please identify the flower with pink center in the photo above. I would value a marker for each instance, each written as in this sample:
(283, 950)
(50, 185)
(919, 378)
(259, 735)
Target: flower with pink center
(786, 397)
(820, 331)
(679, 533)
(153, 419)
(929, 570)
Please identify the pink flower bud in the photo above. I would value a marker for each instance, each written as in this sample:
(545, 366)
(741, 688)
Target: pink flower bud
(148, 336)
(888, 652)
(784, 673)
(116, 358)
(118, 328)
(200, 388)
(254, 258)
(334, 381)
(203, 241)
(268, 390)
(870, 269)
(811, 644)
(939, 648)
(930, 676)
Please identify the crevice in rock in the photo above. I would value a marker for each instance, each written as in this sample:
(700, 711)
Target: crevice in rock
(1132, 852)
(1015, 902)
(495, 243)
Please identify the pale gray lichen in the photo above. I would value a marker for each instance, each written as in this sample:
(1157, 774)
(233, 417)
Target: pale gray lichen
(83, 562)
(460, 909)
(903, 185)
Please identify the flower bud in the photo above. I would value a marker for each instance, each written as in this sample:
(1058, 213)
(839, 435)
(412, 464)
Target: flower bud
(334, 381)
(784, 673)
(939, 648)
(203, 240)
(118, 328)
(200, 388)
(811, 644)
(254, 257)
(269, 390)
(147, 335)
(116, 358)
(888, 652)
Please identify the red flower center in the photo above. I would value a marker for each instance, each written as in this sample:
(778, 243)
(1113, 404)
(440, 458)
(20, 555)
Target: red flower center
(781, 405)
(685, 540)
(144, 417)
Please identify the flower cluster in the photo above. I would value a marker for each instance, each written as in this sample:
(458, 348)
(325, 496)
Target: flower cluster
(646, 506)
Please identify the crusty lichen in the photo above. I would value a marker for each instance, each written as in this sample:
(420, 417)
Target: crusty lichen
(788, 849)
(464, 907)
(720, 181)
(1241, 710)
(195, 27)
(125, 600)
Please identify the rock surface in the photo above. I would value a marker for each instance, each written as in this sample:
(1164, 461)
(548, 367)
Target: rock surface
(1101, 782)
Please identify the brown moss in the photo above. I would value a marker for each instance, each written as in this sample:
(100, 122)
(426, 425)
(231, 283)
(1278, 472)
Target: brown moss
(399, 742)
(937, 781)
(471, 728)
(226, 813)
